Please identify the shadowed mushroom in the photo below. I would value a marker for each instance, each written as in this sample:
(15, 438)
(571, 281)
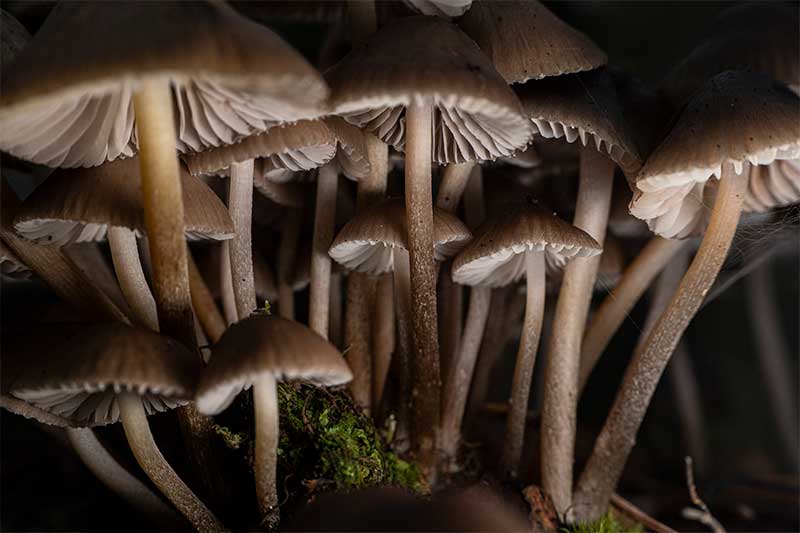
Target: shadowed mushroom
(257, 352)
(524, 241)
(12, 266)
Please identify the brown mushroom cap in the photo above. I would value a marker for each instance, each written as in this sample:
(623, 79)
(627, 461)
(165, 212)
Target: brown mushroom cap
(526, 41)
(263, 344)
(75, 370)
(476, 115)
(737, 118)
(366, 243)
(77, 205)
(582, 106)
(67, 101)
(351, 155)
(496, 257)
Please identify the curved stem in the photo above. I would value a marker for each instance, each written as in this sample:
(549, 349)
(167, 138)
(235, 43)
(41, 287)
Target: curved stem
(265, 402)
(203, 303)
(459, 376)
(324, 220)
(226, 284)
(287, 253)
(130, 275)
(240, 207)
(105, 468)
(402, 356)
(619, 302)
(137, 431)
(618, 435)
(526, 359)
(383, 336)
(419, 222)
(563, 357)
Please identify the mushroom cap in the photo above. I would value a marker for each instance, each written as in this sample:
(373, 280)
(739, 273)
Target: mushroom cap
(439, 8)
(526, 41)
(351, 155)
(68, 102)
(367, 242)
(496, 256)
(761, 37)
(738, 118)
(476, 115)
(773, 185)
(302, 145)
(265, 344)
(582, 106)
(75, 370)
(78, 205)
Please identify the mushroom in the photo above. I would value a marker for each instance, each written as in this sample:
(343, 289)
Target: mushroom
(736, 121)
(11, 266)
(520, 242)
(105, 202)
(375, 242)
(105, 373)
(450, 108)
(258, 351)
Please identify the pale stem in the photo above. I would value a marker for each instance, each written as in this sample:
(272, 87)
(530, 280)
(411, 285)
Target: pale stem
(563, 356)
(226, 284)
(526, 360)
(130, 275)
(265, 403)
(147, 454)
(638, 276)
(618, 435)
(419, 219)
(114, 476)
(240, 249)
(383, 336)
(324, 220)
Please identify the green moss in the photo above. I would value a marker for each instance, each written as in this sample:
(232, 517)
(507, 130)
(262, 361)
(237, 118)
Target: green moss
(325, 438)
(607, 524)
(232, 439)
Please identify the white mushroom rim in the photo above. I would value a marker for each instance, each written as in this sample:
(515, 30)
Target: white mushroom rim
(377, 257)
(465, 128)
(94, 404)
(508, 265)
(60, 232)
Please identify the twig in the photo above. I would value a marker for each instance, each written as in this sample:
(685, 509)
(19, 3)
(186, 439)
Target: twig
(702, 513)
(623, 506)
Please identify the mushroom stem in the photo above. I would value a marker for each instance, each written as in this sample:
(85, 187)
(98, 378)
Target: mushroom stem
(147, 454)
(163, 208)
(563, 358)
(383, 337)
(335, 327)
(526, 359)
(226, 284)
(105, 468)
(773, 359)
(459, 376)
(419, 222)
(203, 303)
(618, 435)
(240, 249)
(619, 302)
(130, 275)
(287, 253)
(324, 220)
(402, 355)
(454, 181)
(265, 403)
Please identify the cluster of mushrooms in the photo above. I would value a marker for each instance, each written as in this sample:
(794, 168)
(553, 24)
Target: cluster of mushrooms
(188, 137)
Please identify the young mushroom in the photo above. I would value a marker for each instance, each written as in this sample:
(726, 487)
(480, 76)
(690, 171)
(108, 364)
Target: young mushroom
(259, 351)
(523, 241)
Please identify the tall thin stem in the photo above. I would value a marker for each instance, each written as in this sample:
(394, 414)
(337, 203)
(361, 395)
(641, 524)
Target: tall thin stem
(618, 435)
(226, 284)
(205, 307)
(563, 357)
(383, 336)
(324, 219)
(526, 359)
(147, 454)
(265, 402)
(419, 221)
(128, 267)
(240, 249)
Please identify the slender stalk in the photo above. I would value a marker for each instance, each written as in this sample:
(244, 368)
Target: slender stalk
(459, 376)
(226, 284)
(773, 358)
(335, 328)
(402, 356)
(563, 358)
(130, 275)
(618, 304)
(526, 359)
(618, 435)
(419, 220)
(287, 253)
(114, 476)
(144, 448)
(163, 208)
(205, 307)
(383, 336)
(324, 220)
(240, 249)
(265, 401)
